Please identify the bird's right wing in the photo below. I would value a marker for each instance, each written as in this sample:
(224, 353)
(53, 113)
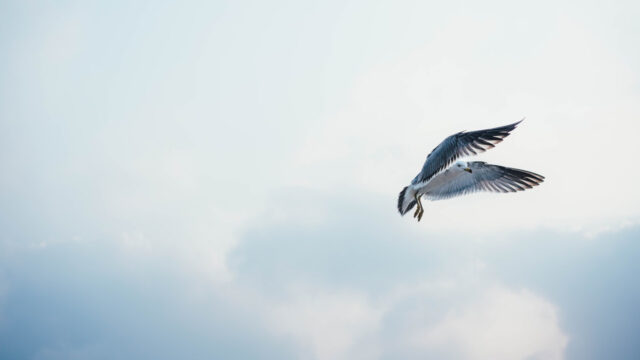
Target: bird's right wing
(485, 177)
(460, 144)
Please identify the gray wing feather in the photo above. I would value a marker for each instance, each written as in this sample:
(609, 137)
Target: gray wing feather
(460, 144)
(486, 177)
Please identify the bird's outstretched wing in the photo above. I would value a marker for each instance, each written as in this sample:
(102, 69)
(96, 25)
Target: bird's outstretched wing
(486, 177)
(462, 143)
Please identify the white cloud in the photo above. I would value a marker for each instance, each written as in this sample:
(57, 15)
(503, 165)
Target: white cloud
(502, 325)
(449, 319)
(329, 324)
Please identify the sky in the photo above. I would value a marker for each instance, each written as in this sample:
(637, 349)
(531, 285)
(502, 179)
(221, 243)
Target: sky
(218, 180)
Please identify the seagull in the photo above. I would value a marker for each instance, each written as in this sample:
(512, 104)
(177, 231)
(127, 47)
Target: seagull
(437, 180)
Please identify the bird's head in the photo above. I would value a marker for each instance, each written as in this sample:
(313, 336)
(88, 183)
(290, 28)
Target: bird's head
(462, 166)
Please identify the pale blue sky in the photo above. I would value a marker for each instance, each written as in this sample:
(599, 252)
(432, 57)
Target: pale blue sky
(218, 180)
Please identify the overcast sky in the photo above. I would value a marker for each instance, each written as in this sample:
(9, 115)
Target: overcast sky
(218, 180)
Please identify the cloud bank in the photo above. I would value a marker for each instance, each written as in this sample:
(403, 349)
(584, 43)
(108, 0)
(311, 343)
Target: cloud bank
(334, 289)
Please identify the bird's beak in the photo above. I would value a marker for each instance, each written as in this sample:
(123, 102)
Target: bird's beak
(468, 170)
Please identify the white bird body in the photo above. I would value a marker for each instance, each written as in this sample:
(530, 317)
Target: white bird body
(438, 181)
(443, 178)
(425, 187)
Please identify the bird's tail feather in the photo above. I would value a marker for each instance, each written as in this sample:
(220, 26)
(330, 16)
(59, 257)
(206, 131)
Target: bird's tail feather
(406, 200)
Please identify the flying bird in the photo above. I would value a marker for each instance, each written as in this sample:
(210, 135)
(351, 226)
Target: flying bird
(437, 180)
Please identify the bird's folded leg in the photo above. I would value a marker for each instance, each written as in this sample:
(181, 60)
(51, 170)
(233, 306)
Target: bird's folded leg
(420, 210)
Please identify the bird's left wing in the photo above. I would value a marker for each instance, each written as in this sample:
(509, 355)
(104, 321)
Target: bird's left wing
(460, 144)
(486, 177)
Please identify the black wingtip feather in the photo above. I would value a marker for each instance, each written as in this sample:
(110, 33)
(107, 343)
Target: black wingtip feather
(401, 199)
